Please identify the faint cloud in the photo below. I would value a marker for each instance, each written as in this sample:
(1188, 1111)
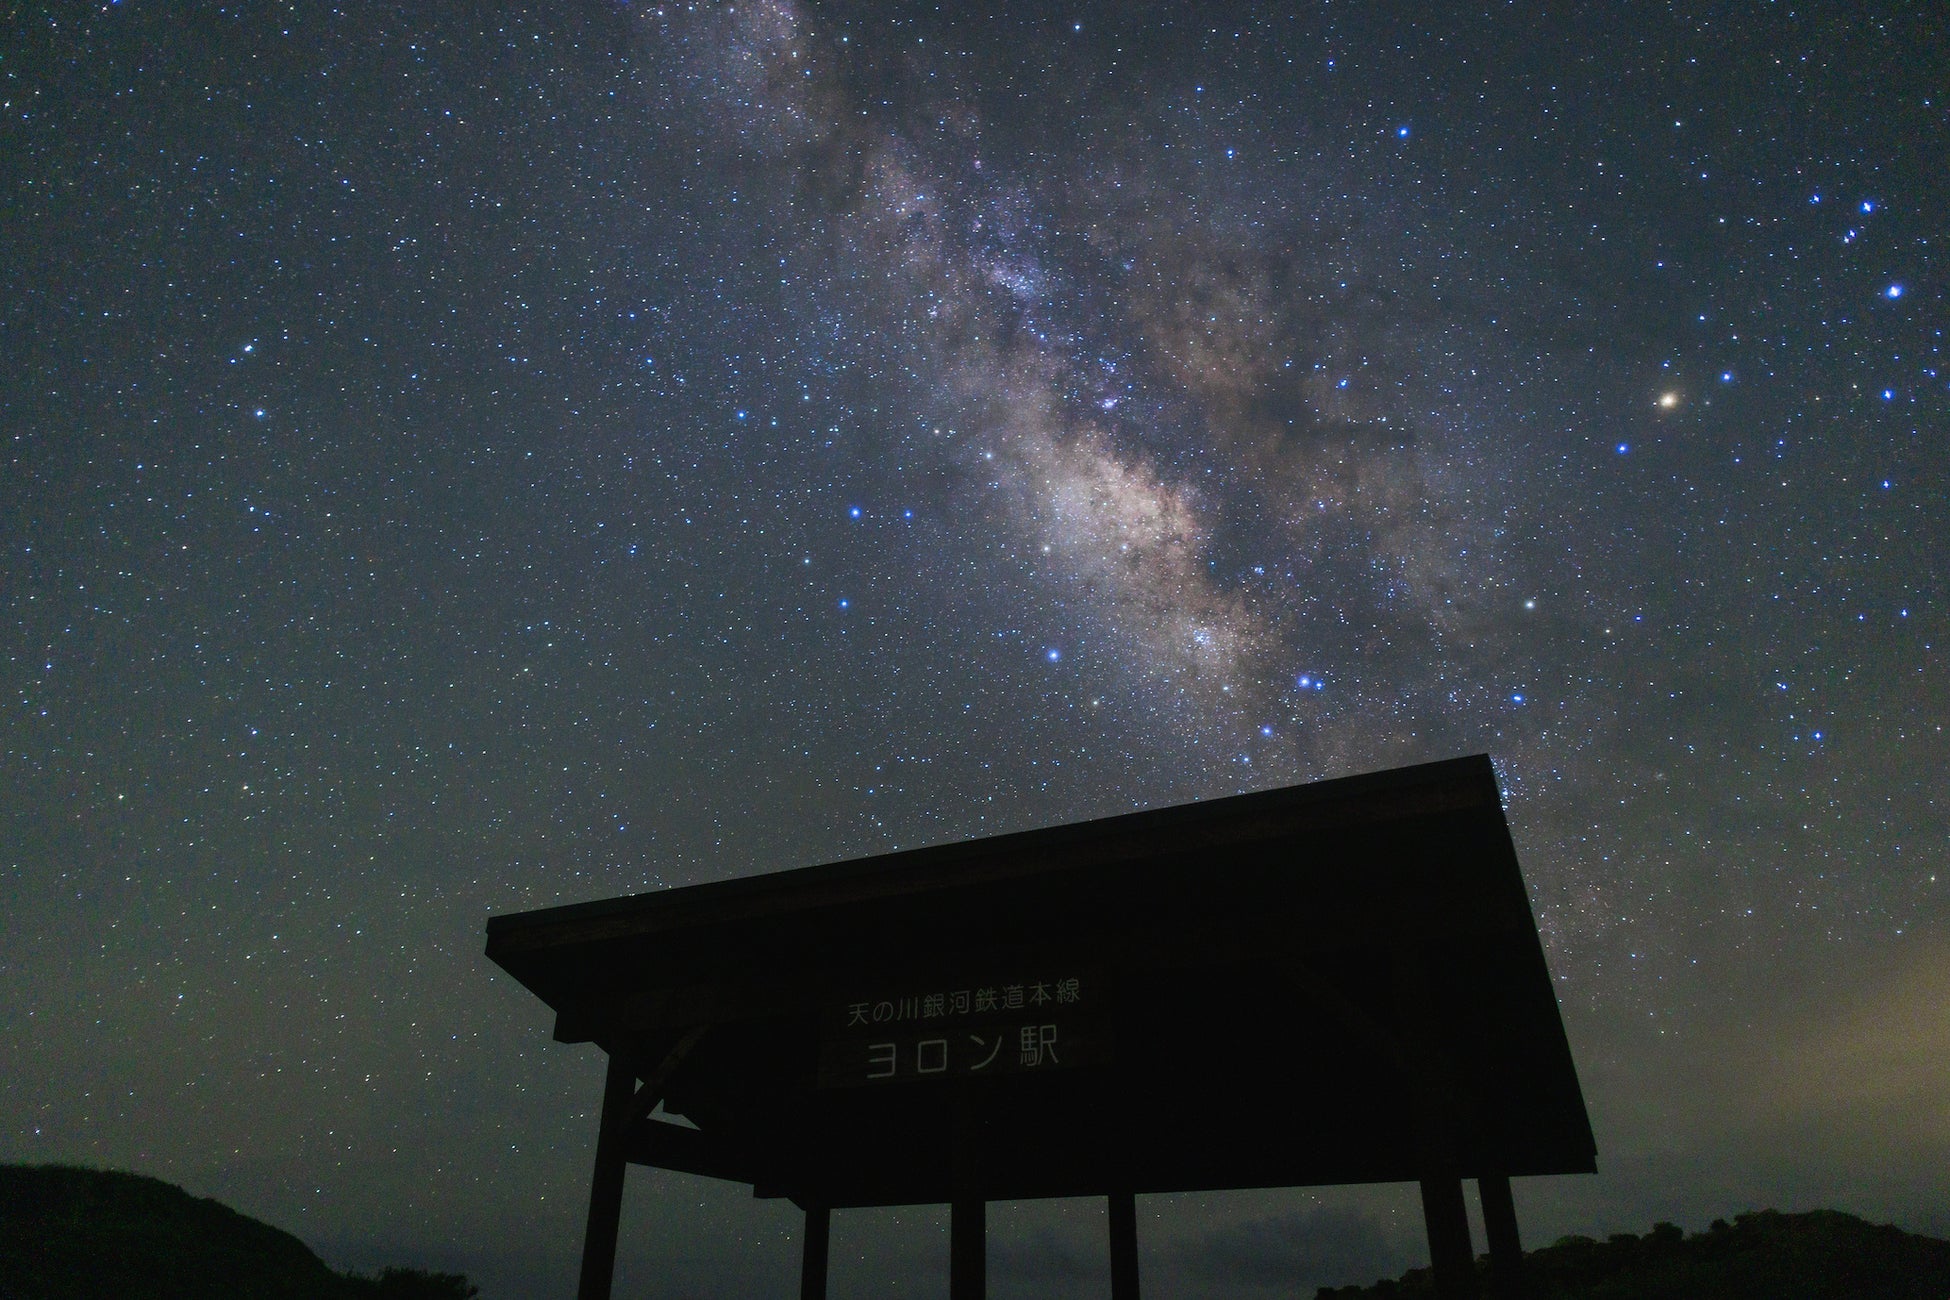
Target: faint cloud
(1881, 1060)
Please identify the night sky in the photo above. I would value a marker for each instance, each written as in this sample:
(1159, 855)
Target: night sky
(460, 459)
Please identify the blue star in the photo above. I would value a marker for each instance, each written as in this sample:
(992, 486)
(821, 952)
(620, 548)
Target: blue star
(1053, 655)
(1894, 291)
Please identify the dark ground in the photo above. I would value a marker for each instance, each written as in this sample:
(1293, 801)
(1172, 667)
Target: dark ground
(67, 1232)
(1762, 1256)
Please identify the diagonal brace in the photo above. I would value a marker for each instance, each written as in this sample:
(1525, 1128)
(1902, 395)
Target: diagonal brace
(645, 1098)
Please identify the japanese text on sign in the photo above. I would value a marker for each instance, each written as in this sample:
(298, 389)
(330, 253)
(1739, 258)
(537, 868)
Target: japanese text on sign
(979, 1030)
(987, 1000)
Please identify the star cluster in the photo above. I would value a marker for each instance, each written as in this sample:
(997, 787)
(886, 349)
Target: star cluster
(455, 464)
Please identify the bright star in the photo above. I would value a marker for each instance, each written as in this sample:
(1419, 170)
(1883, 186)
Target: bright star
(1894, 291)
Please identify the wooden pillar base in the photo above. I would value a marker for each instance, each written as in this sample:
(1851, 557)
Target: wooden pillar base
(1449, 1247)
(968, 1250)
(1123, 1246)
(812, 1260)
(968, 1211)
(1500, 1226)
(606, 1185)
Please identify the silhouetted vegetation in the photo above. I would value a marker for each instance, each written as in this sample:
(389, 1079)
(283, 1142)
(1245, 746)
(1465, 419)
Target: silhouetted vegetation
(67, 1232)
(1820, 1255)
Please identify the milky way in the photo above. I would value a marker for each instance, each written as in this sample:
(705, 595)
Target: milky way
(1207, 398)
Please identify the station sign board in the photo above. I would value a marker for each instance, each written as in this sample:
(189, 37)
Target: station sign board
(1027, 1022)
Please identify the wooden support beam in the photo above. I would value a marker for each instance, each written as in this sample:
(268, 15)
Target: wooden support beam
(968, 1210)
(655, 1082)
(624, 1107)
(606, 1186)
(812, 1260)
(1123, 1246)
(1500, 1226)
(1435, 1085)
(1449, 1247)
(968, 1249)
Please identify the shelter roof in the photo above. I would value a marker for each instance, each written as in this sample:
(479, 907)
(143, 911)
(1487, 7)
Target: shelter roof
(1333, 982)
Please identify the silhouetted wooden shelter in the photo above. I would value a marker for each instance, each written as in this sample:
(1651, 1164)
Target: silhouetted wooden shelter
(1330, 983)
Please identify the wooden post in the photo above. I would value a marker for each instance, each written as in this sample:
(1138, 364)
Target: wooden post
(1123, 1246)
(1434, 1084)
(1449, 1247)
(812, 1261)
(1500, 1226)
(606, 1186)
(968, 1249)
(968, 1208)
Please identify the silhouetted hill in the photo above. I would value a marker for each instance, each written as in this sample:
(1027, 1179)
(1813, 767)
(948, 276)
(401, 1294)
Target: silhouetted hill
(67, 1232)
(1820, 1255)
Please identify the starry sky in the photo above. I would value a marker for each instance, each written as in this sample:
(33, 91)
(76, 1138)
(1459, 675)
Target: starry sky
(460, 459)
